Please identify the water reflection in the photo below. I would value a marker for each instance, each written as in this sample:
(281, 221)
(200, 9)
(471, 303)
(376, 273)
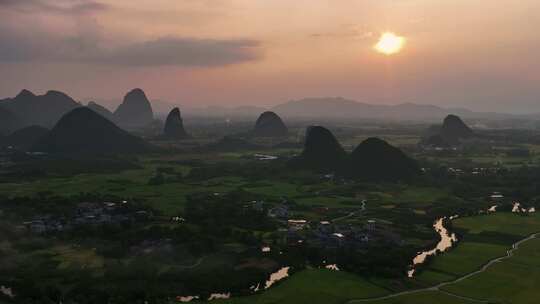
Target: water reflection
(517, 208)
(265, 157)
(186, 299)
(274, 278)
(216, 296)
(277, 276)
(444, 244)
(7, 291)
(332, 267)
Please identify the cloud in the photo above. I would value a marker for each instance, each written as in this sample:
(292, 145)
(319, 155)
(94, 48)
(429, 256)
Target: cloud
(345, 31)
(71, 34)
(182, 52)
(88, 49)
(56, 6)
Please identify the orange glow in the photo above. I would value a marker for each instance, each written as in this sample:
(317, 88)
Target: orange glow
(389, 43)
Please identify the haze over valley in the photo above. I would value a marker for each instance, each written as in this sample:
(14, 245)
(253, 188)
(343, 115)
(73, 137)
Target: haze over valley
(200, 151)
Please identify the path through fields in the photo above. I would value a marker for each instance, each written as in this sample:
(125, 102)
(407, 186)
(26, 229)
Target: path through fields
(509, 254)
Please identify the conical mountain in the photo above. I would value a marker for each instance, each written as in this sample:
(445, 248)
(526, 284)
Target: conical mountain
(43, 110)
(26, 137)
(135, 111)
(322, 151)
(101, 110)
(269, 124)
(83, 131)
(451, 133)
(174, 126)
(25, 94)
(376, 160)
(454, 127)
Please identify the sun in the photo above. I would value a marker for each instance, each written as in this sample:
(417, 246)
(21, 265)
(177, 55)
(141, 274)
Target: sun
(389, 43)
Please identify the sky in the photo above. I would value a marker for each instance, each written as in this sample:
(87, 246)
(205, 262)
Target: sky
(478, 54)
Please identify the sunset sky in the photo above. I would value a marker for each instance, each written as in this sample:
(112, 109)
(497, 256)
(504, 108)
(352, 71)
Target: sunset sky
(479, 54)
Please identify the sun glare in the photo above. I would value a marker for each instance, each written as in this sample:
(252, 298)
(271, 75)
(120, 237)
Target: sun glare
(389, 43)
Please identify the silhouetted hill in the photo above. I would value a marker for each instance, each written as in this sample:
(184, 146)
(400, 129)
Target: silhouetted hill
(26, 137)
(269, 124)
(174, 126)
(101, 110)
(135, 111)
(83, 131)
(451, 133)
(8, 121)
(322, 151)
(376, 160)
(454, 127)
(42, 110)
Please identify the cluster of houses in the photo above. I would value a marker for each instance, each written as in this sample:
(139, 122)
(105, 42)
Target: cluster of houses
(88, 213)
(478, 171)
(485, 171)
(280, 212)
(474, 171)
(428, 148)
(326, 235)
(46, 223)
(496, 196)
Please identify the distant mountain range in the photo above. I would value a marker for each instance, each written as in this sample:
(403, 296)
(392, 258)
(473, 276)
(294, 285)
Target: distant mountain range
(332, 108)
(219, 111)
(162, 108)
(342, 108)
(42, 110)
(338, 107)
(27, 109)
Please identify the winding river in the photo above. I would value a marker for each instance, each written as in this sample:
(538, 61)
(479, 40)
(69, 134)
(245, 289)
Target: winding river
(275, 277)
(446, 242)
(6, 291)
(509, 254)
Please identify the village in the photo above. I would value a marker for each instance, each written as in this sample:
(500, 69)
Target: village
(331, 234)
(88, 214)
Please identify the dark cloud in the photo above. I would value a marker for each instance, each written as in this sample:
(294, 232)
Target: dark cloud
(53, 6)
(345, 31)
(86, 42)
(182, 52)
(189, 52)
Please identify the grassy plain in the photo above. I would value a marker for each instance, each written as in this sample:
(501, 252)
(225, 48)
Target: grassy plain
(515, 280)
(483, 238)
(169, 197)
(317, 286)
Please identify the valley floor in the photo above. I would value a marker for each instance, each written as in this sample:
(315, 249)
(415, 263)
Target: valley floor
(483, 268)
